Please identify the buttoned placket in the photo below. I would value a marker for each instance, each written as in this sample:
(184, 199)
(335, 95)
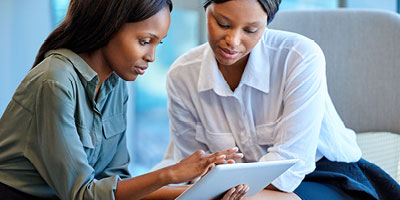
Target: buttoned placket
(245, 133)
(97, 120)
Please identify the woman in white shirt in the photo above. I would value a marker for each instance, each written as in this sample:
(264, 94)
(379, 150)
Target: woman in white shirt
(264, 91)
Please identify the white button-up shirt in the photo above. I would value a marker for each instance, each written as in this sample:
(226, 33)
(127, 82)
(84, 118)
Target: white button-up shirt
(280, 110)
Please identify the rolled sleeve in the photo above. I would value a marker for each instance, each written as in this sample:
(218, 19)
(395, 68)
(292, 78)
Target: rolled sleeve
(183, 125)
(298, 130)
(101, 189)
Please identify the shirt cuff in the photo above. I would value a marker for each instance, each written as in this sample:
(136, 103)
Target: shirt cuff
(289, 180)
(104, 188)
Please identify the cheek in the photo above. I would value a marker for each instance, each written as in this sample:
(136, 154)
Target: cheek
(128, 53)
(120, 57)
(250, 41)
(214, 33)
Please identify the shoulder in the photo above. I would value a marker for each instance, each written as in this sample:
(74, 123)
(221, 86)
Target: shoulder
(52, 74)
(55, 70)
(295, 54)
(189, 63)
(290, 42)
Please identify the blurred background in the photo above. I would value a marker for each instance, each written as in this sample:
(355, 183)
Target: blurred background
(24, 24)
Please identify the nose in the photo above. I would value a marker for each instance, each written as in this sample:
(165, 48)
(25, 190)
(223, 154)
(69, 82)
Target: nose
(150, 56)
(233, 38)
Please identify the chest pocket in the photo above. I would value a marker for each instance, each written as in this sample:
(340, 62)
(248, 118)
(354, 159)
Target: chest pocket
(113, 126)
(215, 141)
(113, 131)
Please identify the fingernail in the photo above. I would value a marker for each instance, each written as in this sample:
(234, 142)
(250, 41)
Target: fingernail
(240, 188)
(235, 148)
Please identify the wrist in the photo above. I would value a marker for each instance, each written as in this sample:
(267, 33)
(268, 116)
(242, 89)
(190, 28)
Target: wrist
(166, 175)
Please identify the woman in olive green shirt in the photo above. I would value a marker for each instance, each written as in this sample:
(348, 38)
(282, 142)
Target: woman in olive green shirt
(63, 133)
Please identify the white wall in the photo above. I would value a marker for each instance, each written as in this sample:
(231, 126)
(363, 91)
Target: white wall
(24, 24)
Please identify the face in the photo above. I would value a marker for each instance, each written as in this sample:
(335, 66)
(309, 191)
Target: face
(234, 28)
(133, 46)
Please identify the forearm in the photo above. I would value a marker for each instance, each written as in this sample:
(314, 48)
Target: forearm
(140, 186)
(167, 192)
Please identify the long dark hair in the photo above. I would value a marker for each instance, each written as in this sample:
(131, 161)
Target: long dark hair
(90, 24)
(271, 7)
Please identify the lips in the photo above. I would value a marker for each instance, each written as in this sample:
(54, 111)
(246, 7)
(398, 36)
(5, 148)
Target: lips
(229, 54)
(140, 69)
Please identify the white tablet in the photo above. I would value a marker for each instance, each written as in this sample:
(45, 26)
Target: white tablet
(223, 177)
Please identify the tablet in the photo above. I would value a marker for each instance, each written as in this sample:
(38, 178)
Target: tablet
(219, 180)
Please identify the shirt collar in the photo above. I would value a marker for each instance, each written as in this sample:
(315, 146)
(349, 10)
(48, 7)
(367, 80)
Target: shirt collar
(89, 75)
(256, 73)
(210, 77)
(83, 68)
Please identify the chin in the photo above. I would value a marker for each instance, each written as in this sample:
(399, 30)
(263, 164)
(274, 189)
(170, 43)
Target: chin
(226, 62)
(130, 78)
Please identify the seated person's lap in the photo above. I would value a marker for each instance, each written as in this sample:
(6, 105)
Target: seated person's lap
(312, 190)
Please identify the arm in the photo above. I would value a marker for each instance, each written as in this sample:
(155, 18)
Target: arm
(183, 122)
(297, 133)
(167, 192)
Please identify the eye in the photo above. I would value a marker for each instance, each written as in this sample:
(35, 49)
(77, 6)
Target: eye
(161, 42)
(222, 25)
(250, 30)
(144, 42)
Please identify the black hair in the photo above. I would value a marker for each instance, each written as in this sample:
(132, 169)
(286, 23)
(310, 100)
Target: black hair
(90, 24)
(271, 7)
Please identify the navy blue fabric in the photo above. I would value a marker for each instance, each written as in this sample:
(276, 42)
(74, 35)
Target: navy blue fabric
(9, 193)
(317, 191)
(360, 180)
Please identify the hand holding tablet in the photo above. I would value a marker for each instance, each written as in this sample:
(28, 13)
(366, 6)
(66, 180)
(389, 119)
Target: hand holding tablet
(223, 177)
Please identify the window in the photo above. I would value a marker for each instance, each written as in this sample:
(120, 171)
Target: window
(59, 8)
(391, 5)
(308, 4)
(151, 126)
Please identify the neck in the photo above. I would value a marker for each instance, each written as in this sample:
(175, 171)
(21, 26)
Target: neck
(97, 62)
(233, 73)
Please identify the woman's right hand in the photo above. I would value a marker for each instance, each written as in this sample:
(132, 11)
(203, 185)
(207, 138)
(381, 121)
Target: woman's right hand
(236, 193)
(200, 163)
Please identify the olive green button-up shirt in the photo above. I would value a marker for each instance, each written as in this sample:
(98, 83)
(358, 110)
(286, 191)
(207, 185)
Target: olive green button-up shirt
(56, 140)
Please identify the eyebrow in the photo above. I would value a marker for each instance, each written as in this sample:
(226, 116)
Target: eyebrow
(227, 18)
(155, 36)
